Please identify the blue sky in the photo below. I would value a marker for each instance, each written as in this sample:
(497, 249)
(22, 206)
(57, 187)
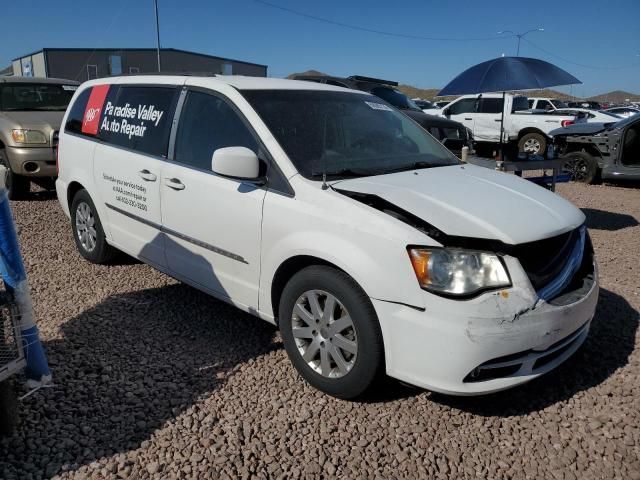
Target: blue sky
(598, 34)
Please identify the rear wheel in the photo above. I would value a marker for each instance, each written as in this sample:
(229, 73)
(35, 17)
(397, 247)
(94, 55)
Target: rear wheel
(331, 332)
(17, 185)
(87, 230)
(533, 144)
(581, 166)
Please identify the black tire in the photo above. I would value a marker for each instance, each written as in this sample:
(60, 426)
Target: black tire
(17, 186)
(367, 361)
(581, 166)
(533, 143)
(8, 408)
(98, 251)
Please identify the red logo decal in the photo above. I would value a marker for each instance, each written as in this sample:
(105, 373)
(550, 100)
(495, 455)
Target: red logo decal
(91, 119)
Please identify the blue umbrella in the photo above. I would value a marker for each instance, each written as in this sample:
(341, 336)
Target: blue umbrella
(508, 73)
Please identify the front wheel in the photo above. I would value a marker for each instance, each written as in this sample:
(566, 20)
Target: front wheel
(331, 332)
(533, 144)
(581, 166)
(87, 230)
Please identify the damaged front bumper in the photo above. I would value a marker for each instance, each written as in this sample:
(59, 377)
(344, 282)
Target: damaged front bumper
(490, 343)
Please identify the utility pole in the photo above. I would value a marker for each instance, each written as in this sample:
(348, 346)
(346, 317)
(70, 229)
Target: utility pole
(520, 35)
(157, 35)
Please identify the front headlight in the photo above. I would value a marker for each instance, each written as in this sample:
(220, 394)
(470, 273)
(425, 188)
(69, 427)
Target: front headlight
(457, 272)
(28, 136)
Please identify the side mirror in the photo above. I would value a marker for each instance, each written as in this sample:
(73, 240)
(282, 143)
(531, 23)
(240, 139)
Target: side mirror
(236, 162)
(446, 112)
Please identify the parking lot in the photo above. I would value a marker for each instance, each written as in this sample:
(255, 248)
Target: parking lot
(155, 379)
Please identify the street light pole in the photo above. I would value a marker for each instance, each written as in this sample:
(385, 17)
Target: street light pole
(157, 34)
(520, 35)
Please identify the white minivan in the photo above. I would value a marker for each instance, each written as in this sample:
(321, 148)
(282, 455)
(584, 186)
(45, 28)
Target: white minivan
(334, 216)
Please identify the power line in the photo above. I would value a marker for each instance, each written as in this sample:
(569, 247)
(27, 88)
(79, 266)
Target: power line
(594, 67)
(373, 30)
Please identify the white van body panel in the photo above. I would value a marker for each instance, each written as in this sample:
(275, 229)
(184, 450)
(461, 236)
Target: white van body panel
(366, 244)
(230, 238)
(227, 227)
(111, 166)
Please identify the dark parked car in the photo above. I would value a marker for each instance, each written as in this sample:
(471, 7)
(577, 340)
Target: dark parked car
(600, 150)
(424, 104)
(585, 104)
(451, 134)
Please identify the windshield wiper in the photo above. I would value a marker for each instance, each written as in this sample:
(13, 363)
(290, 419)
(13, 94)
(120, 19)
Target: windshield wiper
(345, 172)
(417, 165)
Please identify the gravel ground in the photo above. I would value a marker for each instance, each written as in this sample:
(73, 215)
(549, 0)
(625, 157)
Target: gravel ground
(154, 379)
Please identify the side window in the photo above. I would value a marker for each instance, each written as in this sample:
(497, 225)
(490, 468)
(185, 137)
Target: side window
(139, 118)
(544, 105)
(466, 105)
(208, 123)
(531, 103)
(435, 131)
(76, 113)
(490, 105)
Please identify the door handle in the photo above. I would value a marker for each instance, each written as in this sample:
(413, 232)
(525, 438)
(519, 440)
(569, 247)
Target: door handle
(174, 183)
(468, 118)
(147, 175)
(497, 120)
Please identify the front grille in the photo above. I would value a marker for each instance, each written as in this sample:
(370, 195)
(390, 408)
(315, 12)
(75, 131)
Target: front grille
(543, 260)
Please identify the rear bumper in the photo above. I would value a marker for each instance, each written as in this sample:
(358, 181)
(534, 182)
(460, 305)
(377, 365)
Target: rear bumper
(61, 191)
(482, 346)
(32, 161)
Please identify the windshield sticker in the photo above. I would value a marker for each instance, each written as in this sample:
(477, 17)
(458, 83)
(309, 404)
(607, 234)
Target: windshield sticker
(70, 88)
(379, 106)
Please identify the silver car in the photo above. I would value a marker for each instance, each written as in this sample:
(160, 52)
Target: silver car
(31, 110)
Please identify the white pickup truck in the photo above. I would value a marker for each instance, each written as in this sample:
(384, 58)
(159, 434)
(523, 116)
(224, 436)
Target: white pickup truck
(482, 114)
(541, 103)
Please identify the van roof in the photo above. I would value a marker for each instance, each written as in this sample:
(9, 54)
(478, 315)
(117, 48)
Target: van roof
(238, 81)
(55, 81)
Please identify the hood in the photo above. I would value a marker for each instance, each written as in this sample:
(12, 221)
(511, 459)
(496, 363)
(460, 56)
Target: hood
(473, 202)
(587, 128)
(36, 120)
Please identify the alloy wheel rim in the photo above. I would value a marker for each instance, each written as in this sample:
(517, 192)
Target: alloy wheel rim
(324, 334)
(577, 168)
(532, 146)
(85, 227)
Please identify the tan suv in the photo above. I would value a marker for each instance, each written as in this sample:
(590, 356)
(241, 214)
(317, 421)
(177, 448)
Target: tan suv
(31, 110)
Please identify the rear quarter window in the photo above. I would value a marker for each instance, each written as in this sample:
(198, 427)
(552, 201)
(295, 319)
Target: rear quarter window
(135, 117)
(76, 113)
(139, 118)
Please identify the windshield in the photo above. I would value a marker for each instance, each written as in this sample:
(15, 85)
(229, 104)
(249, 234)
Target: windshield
(345, 134)
(35, 96)
(395, 98)
(558, 103)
